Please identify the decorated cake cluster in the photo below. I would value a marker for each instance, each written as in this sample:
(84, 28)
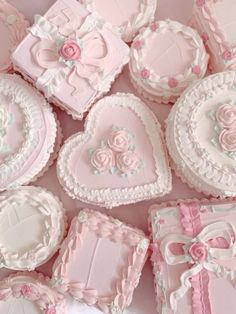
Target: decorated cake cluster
(119, 155)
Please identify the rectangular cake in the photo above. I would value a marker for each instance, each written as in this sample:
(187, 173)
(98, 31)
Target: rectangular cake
(216, 20)
(71, 55)
(194, 256)
(100, 261)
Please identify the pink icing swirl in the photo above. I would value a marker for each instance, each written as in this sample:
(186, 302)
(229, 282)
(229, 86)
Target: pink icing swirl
(127, 162)
(26, 291)
(227, 140)
(70, 50)
(50, 311)
(103, 159)
(226, 116)
(198, 252)
(227, 55)
(119, 141)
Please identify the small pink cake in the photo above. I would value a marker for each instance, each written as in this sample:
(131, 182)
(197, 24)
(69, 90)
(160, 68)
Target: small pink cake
(165, 58)
(72, 56)
(12, 30)
(215, 21)
(194, 256)
(120, 158)
(201, 135)
(29, 293)
(32, 226)
(100, 261)
(127, 17)
(29, 133)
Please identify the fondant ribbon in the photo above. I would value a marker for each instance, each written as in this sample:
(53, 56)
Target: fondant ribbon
(199, 252)
(90, 63)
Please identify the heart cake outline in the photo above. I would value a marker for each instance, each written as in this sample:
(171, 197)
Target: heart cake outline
(112, 197)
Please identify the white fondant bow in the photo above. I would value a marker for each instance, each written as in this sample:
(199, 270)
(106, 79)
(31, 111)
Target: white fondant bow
(200, 252)
(91, 65)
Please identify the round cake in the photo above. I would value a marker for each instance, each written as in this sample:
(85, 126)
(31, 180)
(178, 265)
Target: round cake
(201, 135)
(12, 30)
(32, 226)
(127, 17)
(25, 293)
(166, 57)
(29, 133)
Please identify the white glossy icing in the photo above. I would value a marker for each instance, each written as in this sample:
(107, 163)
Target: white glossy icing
(32, 225)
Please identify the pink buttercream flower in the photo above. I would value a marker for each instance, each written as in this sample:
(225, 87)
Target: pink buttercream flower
(200, 3)
(137, 44)
(119, 141)
(172, 82)
(226, 116)
(145, 74)
(196, 69)
(198, 252)
(227, 55)
(127, 162)
(154, 26)
(26, 291)
(205, 37)
(70, 50)
(227, 140)
(103, 159)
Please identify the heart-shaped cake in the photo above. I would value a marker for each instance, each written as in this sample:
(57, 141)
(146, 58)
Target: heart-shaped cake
(120, 158)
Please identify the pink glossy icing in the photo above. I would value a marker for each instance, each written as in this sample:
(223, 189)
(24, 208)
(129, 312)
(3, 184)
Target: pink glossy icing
(227, 139)
(226, 116)
(103, 159)
(127, 162)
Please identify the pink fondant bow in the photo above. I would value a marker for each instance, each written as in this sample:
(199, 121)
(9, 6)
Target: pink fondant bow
(84, 55)
(201, 254)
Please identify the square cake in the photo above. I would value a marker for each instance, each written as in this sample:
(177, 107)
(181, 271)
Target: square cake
(71, 55)
(193, 256)
(100, 261)
(215, 21)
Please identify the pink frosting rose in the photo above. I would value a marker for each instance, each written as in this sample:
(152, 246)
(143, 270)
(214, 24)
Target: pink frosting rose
(226, 116)
(70, 50)
(26, 291)
(227, 140)
(127, 162)
(198, 252)
(103, 159)
(119, 141)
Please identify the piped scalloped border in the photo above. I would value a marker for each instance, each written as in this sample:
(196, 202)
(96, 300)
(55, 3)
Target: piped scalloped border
(14, 86)
(104, 227)
(190, 169)
(163, 88)
(48, 205)
(115, 197)
(227, 55)
(131, 27)
(34, 288)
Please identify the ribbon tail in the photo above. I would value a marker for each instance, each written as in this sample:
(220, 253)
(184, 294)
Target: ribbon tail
(185, 285)
(50, 80)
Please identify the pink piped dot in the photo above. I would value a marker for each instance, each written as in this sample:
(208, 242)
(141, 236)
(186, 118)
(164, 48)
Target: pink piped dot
(227, 55)
(205, 37)
(138, 44)
(200, 3)
(154, 27)
(145, 74)
(196, 69)
(172, 82)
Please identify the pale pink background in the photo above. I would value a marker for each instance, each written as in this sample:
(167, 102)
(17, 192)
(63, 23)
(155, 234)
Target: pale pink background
(144, 297)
